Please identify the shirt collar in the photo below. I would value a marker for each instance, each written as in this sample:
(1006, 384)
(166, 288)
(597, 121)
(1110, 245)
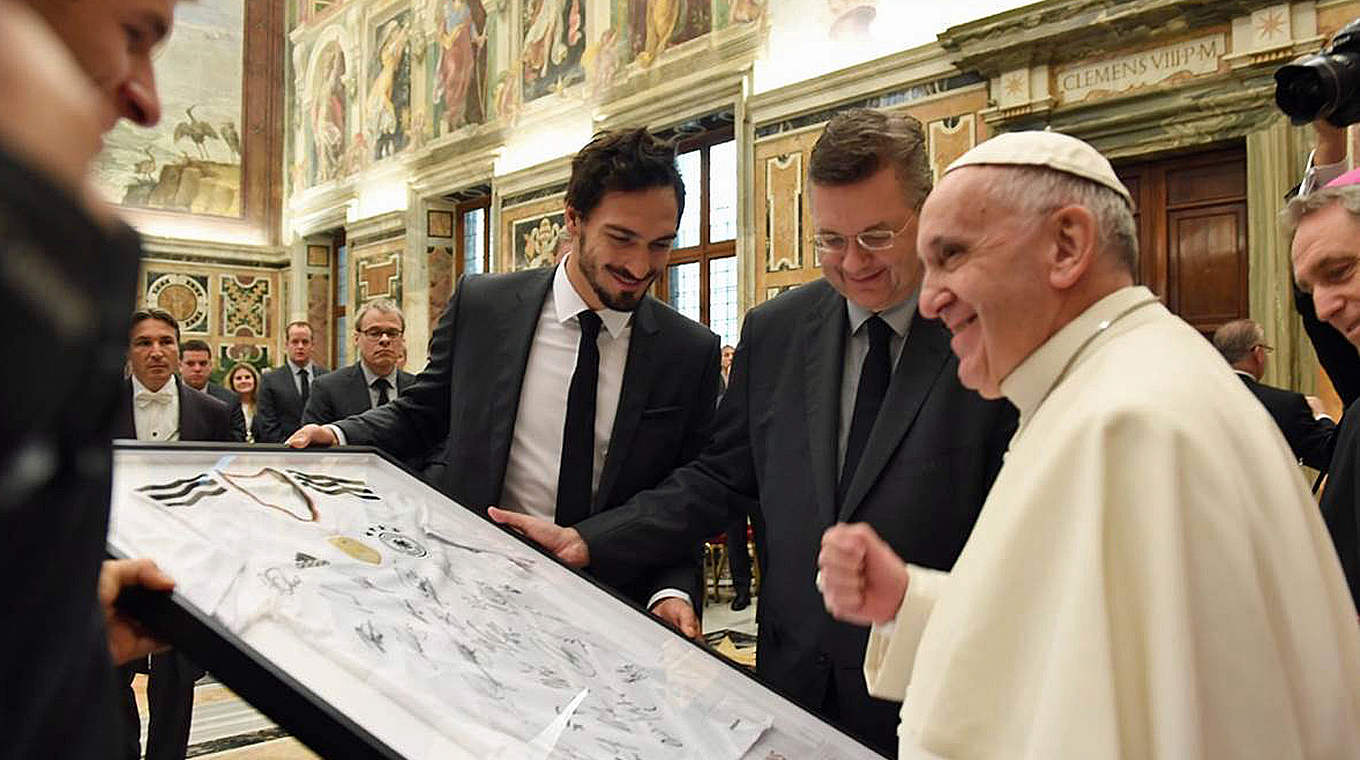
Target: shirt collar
(1028, 384)
(295, 367)
(370, 377)
(569, 303)
(898, 317)
(169, 389)
(1247, 375)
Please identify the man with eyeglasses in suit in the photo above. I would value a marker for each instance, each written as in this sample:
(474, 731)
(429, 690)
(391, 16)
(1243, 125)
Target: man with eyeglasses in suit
(372, 381)
(843, 404)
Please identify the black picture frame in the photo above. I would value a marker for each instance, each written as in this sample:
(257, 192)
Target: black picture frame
(284, 699)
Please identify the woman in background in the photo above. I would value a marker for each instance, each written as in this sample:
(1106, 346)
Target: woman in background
(243, 380)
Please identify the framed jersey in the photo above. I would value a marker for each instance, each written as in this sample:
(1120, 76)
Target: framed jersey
(371, 616)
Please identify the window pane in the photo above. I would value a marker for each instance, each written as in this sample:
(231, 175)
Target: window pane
(688, 236)
(684, 288)
(342, 342)
(722, 299)
(722, 192)
(474, 241)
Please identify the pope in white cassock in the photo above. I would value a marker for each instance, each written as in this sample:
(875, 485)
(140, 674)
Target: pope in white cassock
(1149, 577)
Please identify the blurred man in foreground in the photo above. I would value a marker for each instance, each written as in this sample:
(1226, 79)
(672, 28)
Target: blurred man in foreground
(67, 278)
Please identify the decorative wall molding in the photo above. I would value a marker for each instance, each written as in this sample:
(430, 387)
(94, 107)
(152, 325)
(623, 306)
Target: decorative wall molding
(896, 72)
(227, 254)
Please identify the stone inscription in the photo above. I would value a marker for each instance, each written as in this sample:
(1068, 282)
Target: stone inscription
(1115, 76)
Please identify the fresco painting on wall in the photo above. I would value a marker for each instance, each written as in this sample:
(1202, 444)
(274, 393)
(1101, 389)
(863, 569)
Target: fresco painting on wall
(730, 12)
(539, 240)
(328, 127)
(658, 24)
(387, 105)
(554, 41)
(191, 161)
(457, 65)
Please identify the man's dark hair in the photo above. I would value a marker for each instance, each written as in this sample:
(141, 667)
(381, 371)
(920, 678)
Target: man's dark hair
(194, 344)
(160, 315)
(858, 142)
(622, 160)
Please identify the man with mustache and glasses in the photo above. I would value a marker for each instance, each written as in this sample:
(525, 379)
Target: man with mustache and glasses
(843, 405)
(563, 391)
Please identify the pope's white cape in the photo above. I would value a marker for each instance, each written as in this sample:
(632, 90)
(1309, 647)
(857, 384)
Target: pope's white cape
(1149, 577)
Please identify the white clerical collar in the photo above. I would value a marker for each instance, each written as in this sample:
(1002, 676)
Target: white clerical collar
(1247, 375)
(569, 303)
(1030, 383)
(168, 390)
(898, 317)
(370, 377)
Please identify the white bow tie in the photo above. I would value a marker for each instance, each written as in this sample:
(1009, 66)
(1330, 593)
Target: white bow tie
(144, 399)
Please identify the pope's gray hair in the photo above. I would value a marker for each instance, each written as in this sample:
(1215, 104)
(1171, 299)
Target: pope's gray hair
(1038, 190)
(1303, 205)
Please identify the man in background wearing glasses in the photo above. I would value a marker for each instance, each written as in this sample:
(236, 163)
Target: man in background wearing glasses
(1311, 436)
(843, 404)
(370, 382)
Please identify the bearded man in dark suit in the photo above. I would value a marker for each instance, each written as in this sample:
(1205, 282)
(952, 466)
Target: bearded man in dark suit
(563, 391)
(157, 406)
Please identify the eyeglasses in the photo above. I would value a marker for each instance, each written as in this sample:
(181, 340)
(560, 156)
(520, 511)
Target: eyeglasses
(378, 333)
(869, 240)
(1266, 347)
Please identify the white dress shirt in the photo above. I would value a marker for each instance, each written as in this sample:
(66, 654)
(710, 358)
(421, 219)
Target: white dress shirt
(155, 414)
(536, 446)
(370, 378)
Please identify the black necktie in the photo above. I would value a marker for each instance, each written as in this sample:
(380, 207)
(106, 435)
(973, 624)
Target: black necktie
(381, 385)
(873, 386)
(578, 433)
(304, 385)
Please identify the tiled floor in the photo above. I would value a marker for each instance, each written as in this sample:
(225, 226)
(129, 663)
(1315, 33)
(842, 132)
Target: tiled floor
(226, 728)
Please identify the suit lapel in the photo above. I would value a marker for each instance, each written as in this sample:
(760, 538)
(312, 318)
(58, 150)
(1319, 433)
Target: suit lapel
(923, 357)
(638, 371)
(516, 320)
(191, 423)
(125, 426)
(823, 350)
(359, 387)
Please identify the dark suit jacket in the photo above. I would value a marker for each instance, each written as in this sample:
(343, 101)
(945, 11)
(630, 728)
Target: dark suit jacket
(278, 405)
(233, 402)
(469, 393)
(343, 393)
(67, 289)
(921, 481)
(1312, 440)
(201, 417)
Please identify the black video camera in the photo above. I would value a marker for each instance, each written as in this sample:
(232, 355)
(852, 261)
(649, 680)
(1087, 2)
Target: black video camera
(1325, 85)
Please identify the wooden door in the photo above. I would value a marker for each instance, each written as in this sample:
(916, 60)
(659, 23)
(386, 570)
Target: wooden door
(1191, 215)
